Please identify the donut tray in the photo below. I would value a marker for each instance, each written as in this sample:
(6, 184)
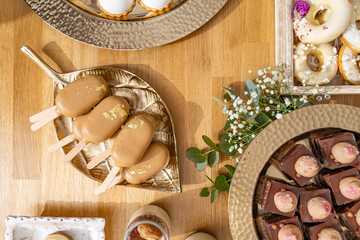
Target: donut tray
(37, 228)
(284, 43)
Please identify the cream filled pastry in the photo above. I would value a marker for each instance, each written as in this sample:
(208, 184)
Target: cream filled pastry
(351, 36)
(116, 8)
(306, 166)
(58, 236)
(350, 187)
(290, 231)
(349, 65)
(285, 201)
(344, 152)
(329, 234)
(326, 57)
(319, 208)
(155, 5)
(324, 21)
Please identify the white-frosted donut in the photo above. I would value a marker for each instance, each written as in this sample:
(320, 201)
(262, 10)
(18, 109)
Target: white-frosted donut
(324, 22)
(327, 56)
(116, 8)
(349, 65)
(155, 5)
(351, 36)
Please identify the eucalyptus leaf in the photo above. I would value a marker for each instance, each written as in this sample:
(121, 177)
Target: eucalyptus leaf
(250, 87)
(262, 119)
(221, 184)
(213, 158)
(231, 169)
(228, 123)
(195, 155)
(230, 91)
(225, 145)
(247, 116)
(214, 195)
(201, 166)
(205, 192)
(216, 99)
(210, 143)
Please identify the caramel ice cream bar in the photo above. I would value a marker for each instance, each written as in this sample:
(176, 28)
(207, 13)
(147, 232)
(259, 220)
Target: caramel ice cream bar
(74, 100)
(75, 135)
(133, 140)
(101, 123)
(105, 119)
(155, 159)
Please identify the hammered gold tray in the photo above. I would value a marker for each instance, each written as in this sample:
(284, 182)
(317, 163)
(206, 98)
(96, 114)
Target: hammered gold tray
(142, 98)
(254, 162)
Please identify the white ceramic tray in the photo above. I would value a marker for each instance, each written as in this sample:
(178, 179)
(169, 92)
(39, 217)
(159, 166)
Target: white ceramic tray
(37, 228)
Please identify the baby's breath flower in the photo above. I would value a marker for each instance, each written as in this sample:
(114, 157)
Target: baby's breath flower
(327, 96)
(279, 115)
(267, 109)
(319, 98)
(250, 71)
(260, 73)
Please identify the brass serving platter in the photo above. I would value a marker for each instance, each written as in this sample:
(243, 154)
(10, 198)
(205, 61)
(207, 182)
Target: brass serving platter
(241, 208)
(142, 98)
(84, 22)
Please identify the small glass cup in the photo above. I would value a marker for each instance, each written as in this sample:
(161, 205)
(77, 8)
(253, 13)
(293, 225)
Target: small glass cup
(149, 215)
(200, 236)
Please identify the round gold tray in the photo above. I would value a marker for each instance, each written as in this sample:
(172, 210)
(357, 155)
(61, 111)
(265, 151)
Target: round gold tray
(90, 27)
(241, 207)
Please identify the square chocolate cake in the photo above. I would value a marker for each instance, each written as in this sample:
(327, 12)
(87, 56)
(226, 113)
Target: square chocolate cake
(316, 205)
(277, 227)
(344, 185)
(277, 197)
(297, 162)
(350, 216)
(338, 150)
(327, 230)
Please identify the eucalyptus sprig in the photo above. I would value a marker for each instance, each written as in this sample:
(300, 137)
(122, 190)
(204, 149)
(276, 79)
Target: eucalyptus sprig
(246, 119)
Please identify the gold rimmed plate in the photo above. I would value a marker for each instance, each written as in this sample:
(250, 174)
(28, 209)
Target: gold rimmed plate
(89, 27)
(254, 162)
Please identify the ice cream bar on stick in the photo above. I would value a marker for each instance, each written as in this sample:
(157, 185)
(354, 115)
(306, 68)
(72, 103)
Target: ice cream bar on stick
(101, 123)
(130, 143)
(74, 100)
(155, 159)
(75, 135)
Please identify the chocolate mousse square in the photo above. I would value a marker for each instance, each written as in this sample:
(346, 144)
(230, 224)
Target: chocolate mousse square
(333, 179)
(270, 225)
(331, 227)
(348, 217)
(321, 208)
(297, 162)
(326, 144)
(277, 197)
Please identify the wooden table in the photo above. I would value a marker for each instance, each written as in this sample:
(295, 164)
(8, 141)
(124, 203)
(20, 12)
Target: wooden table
(185, 73)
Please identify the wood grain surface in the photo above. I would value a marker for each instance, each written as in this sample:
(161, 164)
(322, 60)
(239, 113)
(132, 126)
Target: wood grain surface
(186, 73)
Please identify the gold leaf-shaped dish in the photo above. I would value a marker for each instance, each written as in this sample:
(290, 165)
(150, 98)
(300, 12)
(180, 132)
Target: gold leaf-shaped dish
(142, 98)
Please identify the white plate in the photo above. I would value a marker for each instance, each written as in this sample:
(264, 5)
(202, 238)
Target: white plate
(37, 228)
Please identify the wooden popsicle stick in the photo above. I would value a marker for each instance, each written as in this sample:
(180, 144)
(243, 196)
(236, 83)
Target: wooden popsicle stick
(61, 143)
(41, 115)
(99, 158)
(108, 180)
(116, 180)
(48, 118)
(68, 157)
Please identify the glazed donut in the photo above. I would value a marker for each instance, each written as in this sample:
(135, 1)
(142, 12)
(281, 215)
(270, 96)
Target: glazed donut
(156, 5)
(324, 22)
(116, 8)
(327, 57)
(349, 65)
(351, 36)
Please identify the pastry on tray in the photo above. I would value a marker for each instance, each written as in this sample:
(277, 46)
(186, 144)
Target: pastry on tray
(58, 236)
(159, 6)
(316, 205)
(349, 64)
(116, 8)
(344, 185)
(297, 162)
(326, 231)
(276, 227)
(350, 37)
(277, 197)
(338, 150)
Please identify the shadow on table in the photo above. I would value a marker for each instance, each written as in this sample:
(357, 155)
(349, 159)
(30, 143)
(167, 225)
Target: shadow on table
(116, 215)
(14, 10)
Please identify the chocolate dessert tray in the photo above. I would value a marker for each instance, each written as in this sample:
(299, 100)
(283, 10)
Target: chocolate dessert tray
(292, 180)
(140, 29)
(286, 40)
(22, 228)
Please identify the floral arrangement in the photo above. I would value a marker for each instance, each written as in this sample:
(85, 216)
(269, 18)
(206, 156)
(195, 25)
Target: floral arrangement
(246, 119)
